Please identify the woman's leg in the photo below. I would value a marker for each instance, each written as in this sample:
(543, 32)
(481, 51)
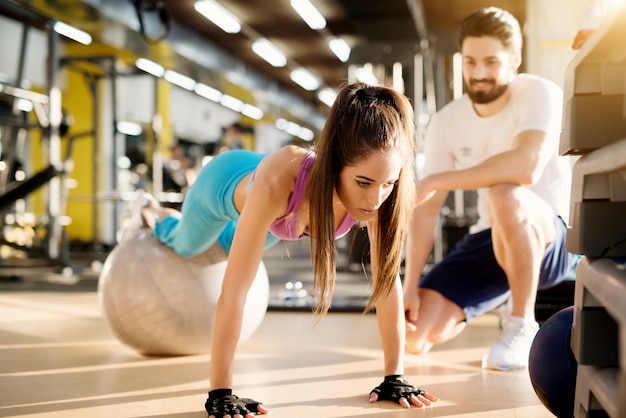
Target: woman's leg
(208, 208)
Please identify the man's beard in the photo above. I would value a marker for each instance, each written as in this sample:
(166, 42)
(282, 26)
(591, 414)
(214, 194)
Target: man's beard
(484, 97)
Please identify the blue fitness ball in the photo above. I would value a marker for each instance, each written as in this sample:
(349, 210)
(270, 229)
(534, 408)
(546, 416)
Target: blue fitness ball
(552, 365)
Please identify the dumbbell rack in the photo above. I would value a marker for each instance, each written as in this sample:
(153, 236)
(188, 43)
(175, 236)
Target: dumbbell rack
(598, 231)
(594, 126)
(598, 332)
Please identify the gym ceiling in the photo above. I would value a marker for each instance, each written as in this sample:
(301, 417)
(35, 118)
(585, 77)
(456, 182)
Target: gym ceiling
(378, 31)
(364, 24)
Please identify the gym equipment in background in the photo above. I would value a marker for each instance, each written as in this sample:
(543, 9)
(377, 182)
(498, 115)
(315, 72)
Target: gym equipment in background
(552, 366)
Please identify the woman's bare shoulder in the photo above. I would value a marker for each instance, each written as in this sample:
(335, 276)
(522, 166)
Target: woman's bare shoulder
(292, 151)
(280, 168)
(288, 158)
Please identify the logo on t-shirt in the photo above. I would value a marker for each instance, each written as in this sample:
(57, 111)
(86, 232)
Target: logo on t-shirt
(466, 151)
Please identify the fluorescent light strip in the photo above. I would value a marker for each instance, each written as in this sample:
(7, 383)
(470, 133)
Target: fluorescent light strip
(71, 32)
(266, 50)
(129, 128)
(280, 123)
(231, 103)
(150, 67)
(294, 129)
(208, 92)
(306, 134)
(365, 75)
(397, 80)
(309, 14)
(327, 96)
(305, 79)
(180, 80)
(252, 111)
(291, 128)
(217, 14)
(340, 48)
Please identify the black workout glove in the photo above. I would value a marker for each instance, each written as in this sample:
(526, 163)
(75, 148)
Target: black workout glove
(222, 402)
(394, 388)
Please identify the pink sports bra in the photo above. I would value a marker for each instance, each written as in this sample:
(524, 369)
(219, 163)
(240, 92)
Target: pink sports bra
(285, 226)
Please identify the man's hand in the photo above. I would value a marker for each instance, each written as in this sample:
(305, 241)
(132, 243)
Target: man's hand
(581, 37)
(411, 304)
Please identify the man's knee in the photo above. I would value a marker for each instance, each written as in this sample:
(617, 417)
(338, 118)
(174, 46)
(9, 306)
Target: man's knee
(439, 320)
(504, 200)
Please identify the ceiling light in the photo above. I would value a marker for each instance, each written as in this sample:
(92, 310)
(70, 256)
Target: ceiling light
(397, 79)
(306, 134)
(208, 92)
(291, 128)
(218, 15)
(340, 48)
(72, 32)
(327, 96)
(309, 14)
(365, 75)
(129, 128)
(252, 111)
(266, 50)
(180, 80)
(231, 103)
(305, 79)
(294, 129)
(150, 67)
(280, 123)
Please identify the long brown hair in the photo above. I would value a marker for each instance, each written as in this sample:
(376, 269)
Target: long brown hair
(363, 120)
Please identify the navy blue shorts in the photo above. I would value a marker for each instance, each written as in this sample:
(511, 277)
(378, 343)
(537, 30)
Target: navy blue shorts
(471, 277)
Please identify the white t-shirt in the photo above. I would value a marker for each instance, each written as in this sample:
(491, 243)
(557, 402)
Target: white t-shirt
(458, 138)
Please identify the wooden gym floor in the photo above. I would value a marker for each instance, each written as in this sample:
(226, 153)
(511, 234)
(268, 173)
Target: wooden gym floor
(59, 359)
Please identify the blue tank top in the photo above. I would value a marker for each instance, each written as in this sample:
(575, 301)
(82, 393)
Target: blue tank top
(285, 226)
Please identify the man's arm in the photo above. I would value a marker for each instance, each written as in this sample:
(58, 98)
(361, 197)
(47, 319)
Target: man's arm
(522, 165)
(421, 237)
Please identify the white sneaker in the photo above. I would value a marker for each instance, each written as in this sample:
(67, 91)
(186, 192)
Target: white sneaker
(512, 349)
(136, 218)
(504, 311)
